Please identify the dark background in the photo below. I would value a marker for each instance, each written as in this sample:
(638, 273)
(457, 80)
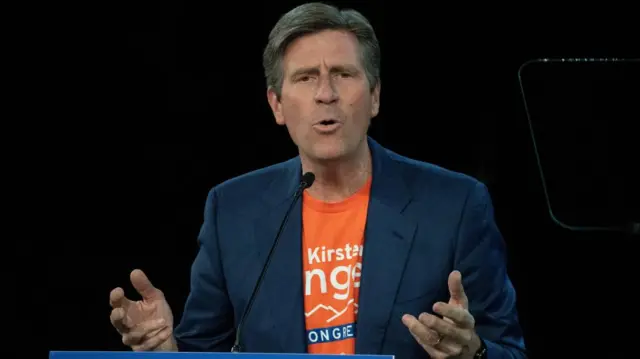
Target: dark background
(183, 107)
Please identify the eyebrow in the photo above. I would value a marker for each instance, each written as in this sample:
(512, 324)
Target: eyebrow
(315, 70)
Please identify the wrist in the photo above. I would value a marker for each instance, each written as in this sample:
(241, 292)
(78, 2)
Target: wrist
(476, 349)
(170, 345)
(480, 351)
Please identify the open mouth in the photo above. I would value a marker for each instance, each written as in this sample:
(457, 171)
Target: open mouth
(328, 122)
(327, 126)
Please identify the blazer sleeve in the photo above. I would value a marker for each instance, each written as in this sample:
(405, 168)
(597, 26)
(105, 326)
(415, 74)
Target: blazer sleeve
(481, 259)
(207, 322)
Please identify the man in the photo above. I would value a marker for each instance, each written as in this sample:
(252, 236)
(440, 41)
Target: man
(382, 254)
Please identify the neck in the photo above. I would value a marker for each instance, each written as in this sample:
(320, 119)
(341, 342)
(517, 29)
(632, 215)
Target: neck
(339, 179)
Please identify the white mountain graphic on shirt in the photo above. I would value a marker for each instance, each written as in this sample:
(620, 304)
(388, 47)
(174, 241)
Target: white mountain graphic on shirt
(329, 308)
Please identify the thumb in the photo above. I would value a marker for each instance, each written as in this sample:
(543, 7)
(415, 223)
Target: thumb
(144, 287)
(456, 290)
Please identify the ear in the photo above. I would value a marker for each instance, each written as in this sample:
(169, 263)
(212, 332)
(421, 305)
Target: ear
(375, 101)
(276, 107)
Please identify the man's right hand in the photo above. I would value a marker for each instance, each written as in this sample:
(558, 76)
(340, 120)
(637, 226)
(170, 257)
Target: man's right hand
(147, 324)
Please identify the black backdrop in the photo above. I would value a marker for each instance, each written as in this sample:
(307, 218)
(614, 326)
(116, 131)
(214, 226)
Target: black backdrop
(190, 111)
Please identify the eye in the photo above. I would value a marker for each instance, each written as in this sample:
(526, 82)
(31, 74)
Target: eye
(304, 78)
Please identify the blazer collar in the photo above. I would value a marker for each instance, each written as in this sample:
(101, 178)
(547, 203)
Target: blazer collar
(388, 184)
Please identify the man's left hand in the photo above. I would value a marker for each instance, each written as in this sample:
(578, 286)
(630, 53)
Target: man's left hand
(454, 335)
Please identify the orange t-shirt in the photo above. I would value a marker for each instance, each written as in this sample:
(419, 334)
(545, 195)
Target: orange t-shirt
(332, 244)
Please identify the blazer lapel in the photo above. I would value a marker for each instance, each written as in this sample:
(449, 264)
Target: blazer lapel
(281, 289)
(388, 239)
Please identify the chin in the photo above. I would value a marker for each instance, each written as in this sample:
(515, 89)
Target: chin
(332, 152)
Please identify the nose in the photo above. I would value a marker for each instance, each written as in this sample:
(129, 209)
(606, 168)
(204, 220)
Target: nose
(326, 92)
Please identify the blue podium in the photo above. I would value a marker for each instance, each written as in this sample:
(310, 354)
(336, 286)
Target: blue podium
(169, 355)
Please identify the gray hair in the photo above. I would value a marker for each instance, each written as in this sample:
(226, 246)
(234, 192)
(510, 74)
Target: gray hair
(315, 17)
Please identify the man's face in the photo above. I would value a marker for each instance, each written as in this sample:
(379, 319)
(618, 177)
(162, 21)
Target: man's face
(326, 101)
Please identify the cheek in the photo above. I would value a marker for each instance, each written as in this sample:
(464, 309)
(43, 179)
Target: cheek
(293, 116)
(291, 113)
(360, 108)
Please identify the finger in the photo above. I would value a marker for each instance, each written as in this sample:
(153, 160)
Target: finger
(142, 284)
(118, 318)
(154, 341)
(456, 290)
(117, 299)
(155, 332)
(450, 348)
(432, 350)
(458, 316)
(423, 335)
(142, 330)
(145, 329)
(462, 336)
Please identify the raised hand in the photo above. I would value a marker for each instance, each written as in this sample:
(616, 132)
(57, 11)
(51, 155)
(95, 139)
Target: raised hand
(146, 324)
(453, 335)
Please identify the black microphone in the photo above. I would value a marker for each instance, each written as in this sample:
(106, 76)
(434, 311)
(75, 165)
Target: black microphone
(306, 182)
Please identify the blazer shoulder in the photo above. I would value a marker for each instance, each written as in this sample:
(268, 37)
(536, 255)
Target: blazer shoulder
(424, 176)
(245, 189)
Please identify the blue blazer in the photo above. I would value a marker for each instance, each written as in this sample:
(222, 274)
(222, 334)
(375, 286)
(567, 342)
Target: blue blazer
(423, 222)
